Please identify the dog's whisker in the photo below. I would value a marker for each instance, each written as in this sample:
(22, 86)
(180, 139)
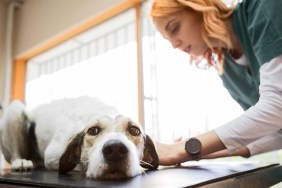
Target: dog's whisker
(143, 162)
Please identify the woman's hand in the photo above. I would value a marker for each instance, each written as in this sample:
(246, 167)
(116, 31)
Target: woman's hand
(172, 154)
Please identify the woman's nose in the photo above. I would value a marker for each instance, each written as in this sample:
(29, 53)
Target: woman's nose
(176, 43)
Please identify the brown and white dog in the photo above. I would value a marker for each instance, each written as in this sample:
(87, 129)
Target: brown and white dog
(76, 134)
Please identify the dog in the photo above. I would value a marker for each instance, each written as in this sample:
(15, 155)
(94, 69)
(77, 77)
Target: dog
(81, 134)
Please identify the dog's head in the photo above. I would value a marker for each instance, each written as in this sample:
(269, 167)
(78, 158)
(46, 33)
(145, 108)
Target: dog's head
(110, 149)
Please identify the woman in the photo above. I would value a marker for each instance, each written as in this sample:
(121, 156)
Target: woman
(244, 43)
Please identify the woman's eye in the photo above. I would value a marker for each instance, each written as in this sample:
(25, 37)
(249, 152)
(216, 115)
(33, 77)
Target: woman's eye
(134, 131)
(93, 131)
(174, 29)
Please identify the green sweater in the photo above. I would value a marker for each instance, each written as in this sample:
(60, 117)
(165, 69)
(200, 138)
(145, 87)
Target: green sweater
(258, 26)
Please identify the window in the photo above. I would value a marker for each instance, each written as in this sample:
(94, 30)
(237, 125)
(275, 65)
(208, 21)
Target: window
(92, 64)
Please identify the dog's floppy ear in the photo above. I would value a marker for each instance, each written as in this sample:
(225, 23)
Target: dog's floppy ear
(71, 155)
(150, 157)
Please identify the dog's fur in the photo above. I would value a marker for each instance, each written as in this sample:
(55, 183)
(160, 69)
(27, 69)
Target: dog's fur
(82, 133)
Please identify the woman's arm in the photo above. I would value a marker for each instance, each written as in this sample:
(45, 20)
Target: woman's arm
(171, 154)
(262, 145)
(242, 152)
(262, 119)
(266, 144)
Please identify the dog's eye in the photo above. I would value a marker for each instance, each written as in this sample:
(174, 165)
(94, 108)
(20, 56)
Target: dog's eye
(94, 131)
(134, 131)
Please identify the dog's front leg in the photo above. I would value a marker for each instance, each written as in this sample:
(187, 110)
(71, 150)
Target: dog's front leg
(13, 128)
(55, 149)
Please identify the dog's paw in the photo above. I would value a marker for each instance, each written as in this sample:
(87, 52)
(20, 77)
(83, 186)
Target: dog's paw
(21, 165)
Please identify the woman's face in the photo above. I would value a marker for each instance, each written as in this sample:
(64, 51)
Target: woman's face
(183, 30)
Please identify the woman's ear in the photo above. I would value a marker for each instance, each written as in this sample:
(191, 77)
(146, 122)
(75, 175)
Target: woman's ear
(71, 156)
(150, 158)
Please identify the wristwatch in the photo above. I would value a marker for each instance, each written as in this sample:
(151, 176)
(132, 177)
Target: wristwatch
(193, 147)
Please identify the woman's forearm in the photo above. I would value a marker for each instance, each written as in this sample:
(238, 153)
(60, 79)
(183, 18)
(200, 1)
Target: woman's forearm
(243, 152)
(210, 143)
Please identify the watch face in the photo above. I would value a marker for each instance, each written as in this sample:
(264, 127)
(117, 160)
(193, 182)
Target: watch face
(193, 146)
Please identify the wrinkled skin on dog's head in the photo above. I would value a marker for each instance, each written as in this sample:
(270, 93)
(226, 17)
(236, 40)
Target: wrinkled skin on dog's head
(110, 148)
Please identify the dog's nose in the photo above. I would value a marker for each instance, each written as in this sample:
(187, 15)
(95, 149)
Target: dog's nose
(114, 150)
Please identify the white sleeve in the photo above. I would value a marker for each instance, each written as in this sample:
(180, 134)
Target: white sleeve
(268, 143)
(262, 119)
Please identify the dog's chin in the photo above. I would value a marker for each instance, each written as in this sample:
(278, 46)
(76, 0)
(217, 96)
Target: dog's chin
(115, 172)
(114, 175)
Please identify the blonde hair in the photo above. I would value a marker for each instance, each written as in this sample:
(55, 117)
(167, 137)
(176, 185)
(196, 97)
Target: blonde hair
(216, 16)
